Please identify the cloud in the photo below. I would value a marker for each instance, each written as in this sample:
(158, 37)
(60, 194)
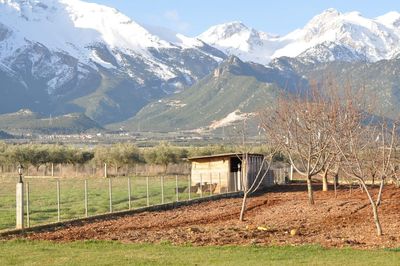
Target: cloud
(173, 17)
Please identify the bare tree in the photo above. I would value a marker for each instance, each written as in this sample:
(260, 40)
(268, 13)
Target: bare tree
(367, 151)
(262, 173)
(301, 125)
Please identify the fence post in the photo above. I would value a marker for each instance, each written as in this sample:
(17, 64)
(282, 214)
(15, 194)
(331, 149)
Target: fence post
(129, 193)
(86, 198)
(201, 185)
(147, 191)
(105, 170)
(162, 189)
(211, 185)
(235, 177)
(219, 182)
(58, 201)
(28, 220)
(190, 186)
(19, 205)
(176, 187)
(110, 193)
(291, 172)
(52, 169)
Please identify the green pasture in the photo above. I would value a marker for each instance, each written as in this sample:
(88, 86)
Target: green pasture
(43, 197)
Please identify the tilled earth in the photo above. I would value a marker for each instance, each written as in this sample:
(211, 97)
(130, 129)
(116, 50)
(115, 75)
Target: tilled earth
(281, 216)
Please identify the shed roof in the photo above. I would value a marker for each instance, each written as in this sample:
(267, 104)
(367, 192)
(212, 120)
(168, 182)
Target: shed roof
(222, 155)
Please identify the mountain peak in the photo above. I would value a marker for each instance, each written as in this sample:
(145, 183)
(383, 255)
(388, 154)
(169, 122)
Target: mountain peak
(224, 31)
(390, 19)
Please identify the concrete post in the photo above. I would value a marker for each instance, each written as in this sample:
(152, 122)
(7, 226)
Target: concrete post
(20, 206)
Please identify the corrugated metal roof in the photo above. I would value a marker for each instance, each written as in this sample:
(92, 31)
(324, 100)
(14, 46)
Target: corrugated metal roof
(222, 155)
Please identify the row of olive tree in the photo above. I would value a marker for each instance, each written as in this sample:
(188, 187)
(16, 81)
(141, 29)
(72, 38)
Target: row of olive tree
(116, 155)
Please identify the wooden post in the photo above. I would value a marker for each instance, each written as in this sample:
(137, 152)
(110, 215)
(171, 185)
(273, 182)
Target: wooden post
(86, 198)
(58, 201)
(110, 193)
(52, 169)
(105, 170)
(28, 220)
(129, 193)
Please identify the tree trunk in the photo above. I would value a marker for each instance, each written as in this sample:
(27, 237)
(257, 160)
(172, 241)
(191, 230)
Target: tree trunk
(325, 181)
(335, 183)
(310, 191)
(376, 218)
(244, 202)
(374, 210)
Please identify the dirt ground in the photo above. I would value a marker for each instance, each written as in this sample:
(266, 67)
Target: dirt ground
(272, 219)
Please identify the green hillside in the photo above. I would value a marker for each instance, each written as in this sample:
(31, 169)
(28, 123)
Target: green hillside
(27, 121)
(234, 86)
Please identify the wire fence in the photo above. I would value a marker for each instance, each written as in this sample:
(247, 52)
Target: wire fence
(49, 200)
(53, 200)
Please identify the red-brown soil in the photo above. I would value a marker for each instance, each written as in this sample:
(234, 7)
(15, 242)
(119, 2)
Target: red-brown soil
(344, 221)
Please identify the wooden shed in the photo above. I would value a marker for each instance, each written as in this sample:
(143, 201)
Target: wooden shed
(228, 172)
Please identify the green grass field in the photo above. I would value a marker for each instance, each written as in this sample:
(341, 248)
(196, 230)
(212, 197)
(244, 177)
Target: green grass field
(43, 197)
(115, 253)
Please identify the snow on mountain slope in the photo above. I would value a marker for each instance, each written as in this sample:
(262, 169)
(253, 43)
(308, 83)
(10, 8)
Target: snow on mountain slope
(72, 25)
(235, 38)
(64, 54)
(375, 38)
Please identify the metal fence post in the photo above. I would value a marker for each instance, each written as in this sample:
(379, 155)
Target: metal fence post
(219, 182)
(291, 172)
(129, 193)
(201, 185)
(176, 187)
(86, 198)
(162, 189)
(190, 186)
(211, 185)
(235, 176)
(110, 193)
(147, 191)
(58, 202)
(28, 220)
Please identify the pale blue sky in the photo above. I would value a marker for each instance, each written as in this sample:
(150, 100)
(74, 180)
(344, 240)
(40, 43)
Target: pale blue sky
(192, 17)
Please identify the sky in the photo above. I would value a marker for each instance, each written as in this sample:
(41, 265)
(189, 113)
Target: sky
(192, 17)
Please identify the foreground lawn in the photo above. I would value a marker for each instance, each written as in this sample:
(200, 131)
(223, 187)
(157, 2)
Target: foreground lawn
(115, 253)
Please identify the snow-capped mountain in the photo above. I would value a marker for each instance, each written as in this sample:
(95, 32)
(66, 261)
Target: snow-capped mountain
(237, 39)
(373, 39)
(71, 48)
